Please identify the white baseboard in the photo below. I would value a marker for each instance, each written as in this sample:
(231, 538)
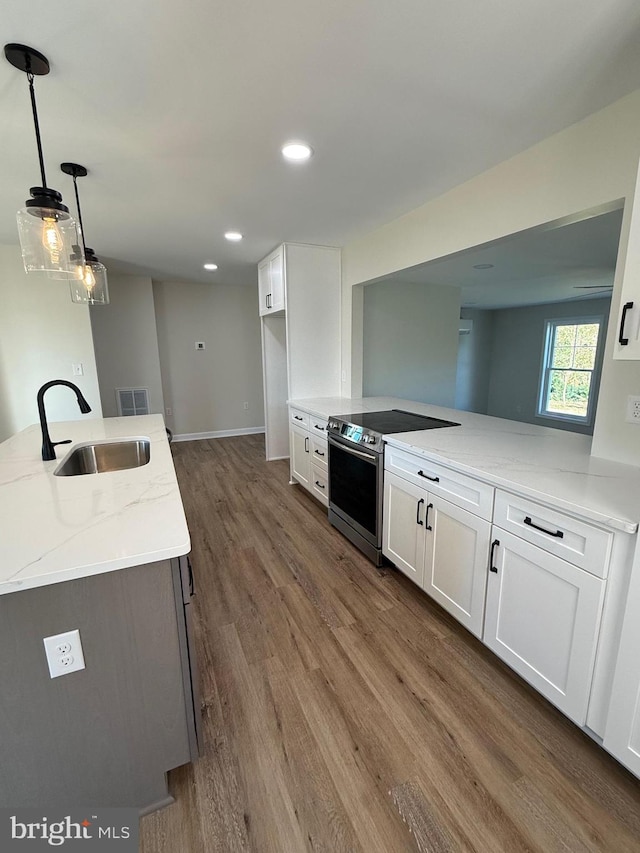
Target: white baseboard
(221, 433)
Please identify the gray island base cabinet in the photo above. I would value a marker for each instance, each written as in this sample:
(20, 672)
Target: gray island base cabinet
(105, 735)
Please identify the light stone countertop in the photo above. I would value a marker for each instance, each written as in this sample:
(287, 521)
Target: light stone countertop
(55, 529)
(548, 465)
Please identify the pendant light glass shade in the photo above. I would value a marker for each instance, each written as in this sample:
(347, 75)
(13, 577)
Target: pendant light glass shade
(46, 229)
(48, 235)
(90, 287)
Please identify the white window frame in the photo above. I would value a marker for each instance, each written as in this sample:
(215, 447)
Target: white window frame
(550, 326)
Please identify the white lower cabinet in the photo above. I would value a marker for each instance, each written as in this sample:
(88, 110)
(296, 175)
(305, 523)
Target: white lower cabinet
(308, 454)
(300, 455)
(441, 547)
(542, 618)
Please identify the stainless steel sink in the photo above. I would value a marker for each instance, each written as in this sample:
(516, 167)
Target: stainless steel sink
(101, 456)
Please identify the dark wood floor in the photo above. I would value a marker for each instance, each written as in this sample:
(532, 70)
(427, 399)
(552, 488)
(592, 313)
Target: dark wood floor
(344, 711)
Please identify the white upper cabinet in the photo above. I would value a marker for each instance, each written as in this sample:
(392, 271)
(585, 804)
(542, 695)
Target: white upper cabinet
(271, 285)
(627, 340)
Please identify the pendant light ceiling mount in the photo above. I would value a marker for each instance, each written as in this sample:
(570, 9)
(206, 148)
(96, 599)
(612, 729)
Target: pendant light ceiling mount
(27, 59)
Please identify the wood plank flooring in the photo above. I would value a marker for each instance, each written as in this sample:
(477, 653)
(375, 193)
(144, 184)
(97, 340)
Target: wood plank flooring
(345, 711)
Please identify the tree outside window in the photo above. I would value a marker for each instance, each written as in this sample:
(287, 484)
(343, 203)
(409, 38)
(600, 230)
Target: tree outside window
(570, 358)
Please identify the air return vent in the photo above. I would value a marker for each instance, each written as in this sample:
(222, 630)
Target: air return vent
(132, 401)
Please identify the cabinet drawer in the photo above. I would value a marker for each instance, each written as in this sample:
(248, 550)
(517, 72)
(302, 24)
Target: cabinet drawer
(578, 543)
(463, 491)
(318, 425)
(319, 454)
(299, 418)
(319, 484)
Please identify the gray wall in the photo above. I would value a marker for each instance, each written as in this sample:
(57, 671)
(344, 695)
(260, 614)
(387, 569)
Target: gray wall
(42, 333)
(518, 342)
(474, 362)
(126, 343)
(410, 341)
(206, 390)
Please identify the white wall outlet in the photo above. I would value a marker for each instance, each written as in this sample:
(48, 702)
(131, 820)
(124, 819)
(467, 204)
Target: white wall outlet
(78, 369)
(169, 411)
(245, 406)
(64, 653)
(633, 410)
(199, 344)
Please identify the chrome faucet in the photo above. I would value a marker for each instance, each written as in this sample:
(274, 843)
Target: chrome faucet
(48, 446)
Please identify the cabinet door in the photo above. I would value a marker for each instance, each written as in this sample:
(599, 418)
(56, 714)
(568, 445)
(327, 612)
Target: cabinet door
(403, 526)
(276, 275)
(300, 456)
(542, 618)
(456, 561)
(264, 286)
(622, 733)
(627, 340)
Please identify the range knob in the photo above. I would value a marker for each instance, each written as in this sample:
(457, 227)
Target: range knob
(370, 439)
(333, 424)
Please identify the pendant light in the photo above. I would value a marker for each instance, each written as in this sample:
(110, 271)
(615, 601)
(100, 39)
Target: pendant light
(89, 287)
(48, 233)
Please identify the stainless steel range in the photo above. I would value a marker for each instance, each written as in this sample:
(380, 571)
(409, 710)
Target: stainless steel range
(355, 471)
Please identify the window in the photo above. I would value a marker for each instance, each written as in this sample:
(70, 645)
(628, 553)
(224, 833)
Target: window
(568, 384)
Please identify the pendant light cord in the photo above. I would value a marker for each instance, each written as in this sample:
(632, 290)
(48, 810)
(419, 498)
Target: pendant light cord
(32, 92)
(75, 187)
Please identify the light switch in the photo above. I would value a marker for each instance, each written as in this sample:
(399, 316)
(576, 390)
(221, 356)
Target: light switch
(199, 344)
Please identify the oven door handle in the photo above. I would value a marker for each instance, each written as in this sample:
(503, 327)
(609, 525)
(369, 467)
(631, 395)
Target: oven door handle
(368, 456)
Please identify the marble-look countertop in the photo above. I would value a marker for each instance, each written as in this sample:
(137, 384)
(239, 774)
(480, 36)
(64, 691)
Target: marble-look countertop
(548, 465)
(55, 529)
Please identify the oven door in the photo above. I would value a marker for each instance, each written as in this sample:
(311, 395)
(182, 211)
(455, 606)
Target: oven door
(355, 488)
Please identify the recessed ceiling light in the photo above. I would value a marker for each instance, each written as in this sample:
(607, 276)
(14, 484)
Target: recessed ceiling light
(234, 236)
(297, 152)
(483, 266)
(211, 266)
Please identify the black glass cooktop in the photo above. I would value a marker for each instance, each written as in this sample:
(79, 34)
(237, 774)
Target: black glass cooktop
(395, 420)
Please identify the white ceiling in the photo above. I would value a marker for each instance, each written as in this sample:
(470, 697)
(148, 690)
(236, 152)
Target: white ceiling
(179, 109)
(541, 265)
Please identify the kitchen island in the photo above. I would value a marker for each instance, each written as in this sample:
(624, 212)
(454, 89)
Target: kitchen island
(103, 554)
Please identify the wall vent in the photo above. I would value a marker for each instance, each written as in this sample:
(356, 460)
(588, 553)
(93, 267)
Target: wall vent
(132, 401)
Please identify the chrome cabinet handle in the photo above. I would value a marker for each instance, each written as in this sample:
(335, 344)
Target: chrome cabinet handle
(495, 544)
(621, 338)
(427, 477)
(420, 502)
(558, 533)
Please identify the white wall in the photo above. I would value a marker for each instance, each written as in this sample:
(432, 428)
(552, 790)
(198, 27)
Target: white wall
(126, 342)
(518, 343)
(411, 341)
(42, 333)
(474, 362)
(206, 389)
(588, 164)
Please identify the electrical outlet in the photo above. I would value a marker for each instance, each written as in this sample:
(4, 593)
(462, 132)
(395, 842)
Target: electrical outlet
(64, 653)
(633, 410)
(169, 411)
(245, 406)
(200, 345)
(78, 369)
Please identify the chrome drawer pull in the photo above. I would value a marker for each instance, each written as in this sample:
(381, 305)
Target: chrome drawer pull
(427, 477)
(558, 534)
